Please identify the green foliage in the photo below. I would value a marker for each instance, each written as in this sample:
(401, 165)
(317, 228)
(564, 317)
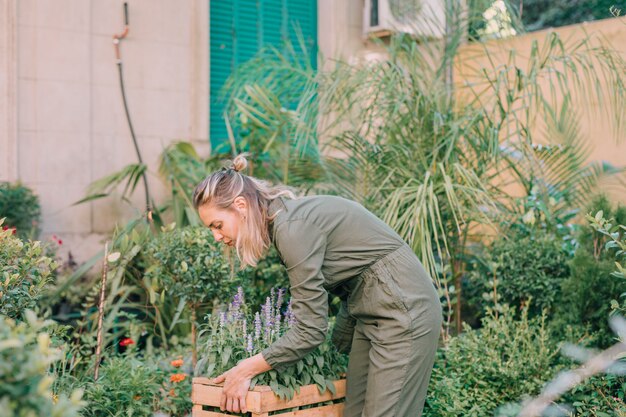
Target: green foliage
(25, 385)
(182, 168)
(236, 334)
(25, 272)
(480, 370)
(125, 387)
(269, 273)
(190, 265)
(600, 396)
(542, 14)
(21, 208)
(588, 292)
(521, 271)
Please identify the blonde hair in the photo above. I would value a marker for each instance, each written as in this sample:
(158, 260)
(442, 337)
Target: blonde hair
(221, 188)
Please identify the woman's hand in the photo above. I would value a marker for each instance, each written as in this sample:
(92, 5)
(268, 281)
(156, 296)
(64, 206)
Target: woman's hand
(237, 383)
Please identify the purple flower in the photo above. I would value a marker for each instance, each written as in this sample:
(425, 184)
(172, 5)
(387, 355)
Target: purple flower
(250, 346)
(289, 316)
(234, 308)
(222, 320)
(277, 322)
(279, 299)
(267, 310)
(257, 326)
(244, 327)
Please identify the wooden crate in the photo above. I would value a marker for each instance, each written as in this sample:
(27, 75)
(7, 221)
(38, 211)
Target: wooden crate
(261, 401)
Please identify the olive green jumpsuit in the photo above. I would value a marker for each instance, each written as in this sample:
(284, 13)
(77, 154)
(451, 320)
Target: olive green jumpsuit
(390, 316)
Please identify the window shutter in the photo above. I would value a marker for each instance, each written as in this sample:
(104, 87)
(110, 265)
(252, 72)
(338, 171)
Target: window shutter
(239, 29)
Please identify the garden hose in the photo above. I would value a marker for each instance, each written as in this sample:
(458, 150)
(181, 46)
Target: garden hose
(117, 38)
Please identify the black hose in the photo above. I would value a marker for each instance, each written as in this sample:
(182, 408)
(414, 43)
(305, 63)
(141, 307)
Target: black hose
(132, 133)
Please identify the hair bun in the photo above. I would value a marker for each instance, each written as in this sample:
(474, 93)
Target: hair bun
(240, 162)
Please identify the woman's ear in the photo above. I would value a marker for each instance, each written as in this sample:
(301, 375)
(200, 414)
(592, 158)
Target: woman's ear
(241, 205)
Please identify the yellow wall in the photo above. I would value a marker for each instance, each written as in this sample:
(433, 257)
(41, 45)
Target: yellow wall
(607, 143)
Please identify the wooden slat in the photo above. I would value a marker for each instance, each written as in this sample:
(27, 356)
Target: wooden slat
(207, 381)
(333, 410)
(309, 394)
(202, 413)
(265, 400)
(212, 394)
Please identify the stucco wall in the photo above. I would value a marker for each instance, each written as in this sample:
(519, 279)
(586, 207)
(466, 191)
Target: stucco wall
(70, 123)
(606, 143)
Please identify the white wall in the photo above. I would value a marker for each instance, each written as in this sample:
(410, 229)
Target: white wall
(70, 123)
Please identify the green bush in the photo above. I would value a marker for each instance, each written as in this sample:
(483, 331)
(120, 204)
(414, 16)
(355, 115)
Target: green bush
(480, 370)
(130, 384)
(600, 396)
(21, 208)
(587, 293)
(25, 385)
(517, 269)
(190, 266)
(125, 387)
(192, 270)
(24, 273)
(269, 273)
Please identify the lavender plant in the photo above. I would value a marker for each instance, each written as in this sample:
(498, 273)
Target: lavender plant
(236, 334)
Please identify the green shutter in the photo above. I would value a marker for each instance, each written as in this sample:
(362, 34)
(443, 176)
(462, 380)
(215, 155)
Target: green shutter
(239, 28)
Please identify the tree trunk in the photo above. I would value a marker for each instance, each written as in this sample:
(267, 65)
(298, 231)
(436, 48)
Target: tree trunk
(194, 352)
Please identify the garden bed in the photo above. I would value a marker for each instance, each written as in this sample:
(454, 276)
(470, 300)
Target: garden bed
(262, 401)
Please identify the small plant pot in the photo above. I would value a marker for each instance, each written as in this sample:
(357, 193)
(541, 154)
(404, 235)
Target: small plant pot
(261, 401)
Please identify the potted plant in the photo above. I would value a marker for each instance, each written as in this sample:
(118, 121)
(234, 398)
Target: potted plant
(314, 383)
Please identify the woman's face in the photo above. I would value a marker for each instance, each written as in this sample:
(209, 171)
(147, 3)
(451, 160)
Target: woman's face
(224, 223)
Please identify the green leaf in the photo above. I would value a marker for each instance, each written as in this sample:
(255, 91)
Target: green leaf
(320, 381)
(320, 362)
(331, 387)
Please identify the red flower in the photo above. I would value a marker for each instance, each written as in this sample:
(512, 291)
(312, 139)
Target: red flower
(177, 377)
(13, 229)
(177, 363)
(127, 341)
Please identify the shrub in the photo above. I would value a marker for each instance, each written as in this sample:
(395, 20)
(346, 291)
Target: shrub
(234, 335)
(191, 268)
(482, 369)
(21, 208)
(126, 386)
(24, 273)
(25, 385)
(600, 396)
(517, 269)
(269, 273)
(588, 292)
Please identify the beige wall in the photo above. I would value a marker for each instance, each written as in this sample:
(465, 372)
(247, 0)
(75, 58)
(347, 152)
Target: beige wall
(607, 144)
(66, 125)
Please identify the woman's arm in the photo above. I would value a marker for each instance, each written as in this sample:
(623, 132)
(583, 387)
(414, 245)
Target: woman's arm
(302, 246)
(237, 383)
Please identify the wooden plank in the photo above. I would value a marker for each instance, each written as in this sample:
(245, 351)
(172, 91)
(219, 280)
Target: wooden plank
(212, 394)
(201, 413)
(309, 394)
(332, 410)
(265, 400)
(207, 381)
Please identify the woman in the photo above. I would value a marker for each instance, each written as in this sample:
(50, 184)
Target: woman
(390, 316)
